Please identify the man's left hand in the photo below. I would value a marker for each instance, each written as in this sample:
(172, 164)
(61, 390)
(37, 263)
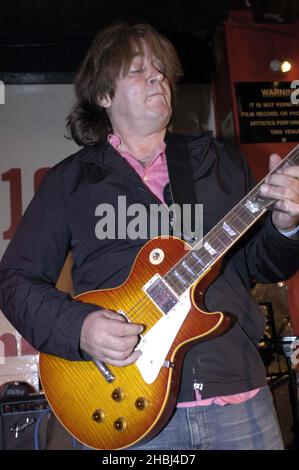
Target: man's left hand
(283, 185)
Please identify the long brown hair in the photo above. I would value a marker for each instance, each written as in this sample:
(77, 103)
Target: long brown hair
(111, 54)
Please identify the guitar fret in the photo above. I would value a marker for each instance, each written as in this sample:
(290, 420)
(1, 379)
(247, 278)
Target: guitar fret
(195, 263)
(225, 239)
(188, 278)
(236, 223)
(206, 257)
(210, 249)
(253, 205)
(196, 258)
(229, 230)
(245, 215)
(177, 282)
(218, 244)
(189, 269)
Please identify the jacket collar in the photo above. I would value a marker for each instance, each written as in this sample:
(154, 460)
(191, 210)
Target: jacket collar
(107, 157)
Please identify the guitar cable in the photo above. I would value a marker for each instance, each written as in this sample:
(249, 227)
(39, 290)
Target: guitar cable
(37, 428)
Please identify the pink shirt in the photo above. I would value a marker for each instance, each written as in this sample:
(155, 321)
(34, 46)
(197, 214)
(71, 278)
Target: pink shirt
(155, 177)
(221, 401)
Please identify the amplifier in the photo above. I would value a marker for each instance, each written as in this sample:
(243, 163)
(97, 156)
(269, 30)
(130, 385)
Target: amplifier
(24, 422)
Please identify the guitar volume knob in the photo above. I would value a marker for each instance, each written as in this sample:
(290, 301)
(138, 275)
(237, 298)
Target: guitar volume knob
(98, 416)
(120, 424)
(141, 403)
(117, 394)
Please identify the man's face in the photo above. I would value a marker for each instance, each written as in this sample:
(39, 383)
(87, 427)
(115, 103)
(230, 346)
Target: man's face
(142, 98)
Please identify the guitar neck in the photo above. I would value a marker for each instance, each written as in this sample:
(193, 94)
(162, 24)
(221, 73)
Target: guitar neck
(224, 234)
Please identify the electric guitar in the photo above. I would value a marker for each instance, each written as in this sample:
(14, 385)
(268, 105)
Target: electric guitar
(108, 407)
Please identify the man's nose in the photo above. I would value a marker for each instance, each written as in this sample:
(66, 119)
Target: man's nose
(155, 76)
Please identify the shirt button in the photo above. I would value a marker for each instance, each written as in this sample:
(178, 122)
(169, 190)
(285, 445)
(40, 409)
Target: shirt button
(145, 178)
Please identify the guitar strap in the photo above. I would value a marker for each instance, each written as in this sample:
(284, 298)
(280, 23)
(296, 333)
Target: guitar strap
(181, 189)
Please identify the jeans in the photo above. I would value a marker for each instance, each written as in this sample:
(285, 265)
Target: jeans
(251, 425)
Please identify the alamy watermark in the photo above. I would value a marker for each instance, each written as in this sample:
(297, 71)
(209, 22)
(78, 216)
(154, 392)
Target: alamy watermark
(295, 353)
(2, 92)
(295, 93)
(137, 221)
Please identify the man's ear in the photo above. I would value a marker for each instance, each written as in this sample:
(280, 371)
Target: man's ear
(105, 102)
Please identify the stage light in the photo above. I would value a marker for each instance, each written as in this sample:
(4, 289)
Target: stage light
(285, 66)
(280, 65)
(275, 65)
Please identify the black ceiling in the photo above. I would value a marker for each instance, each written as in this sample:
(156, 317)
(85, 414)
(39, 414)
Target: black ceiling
(46, 36)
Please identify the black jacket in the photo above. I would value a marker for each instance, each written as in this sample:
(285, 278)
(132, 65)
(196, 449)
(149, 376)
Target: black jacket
(61, 217)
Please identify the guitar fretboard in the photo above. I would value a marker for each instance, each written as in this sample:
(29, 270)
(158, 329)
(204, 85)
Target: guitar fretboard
(224, 234)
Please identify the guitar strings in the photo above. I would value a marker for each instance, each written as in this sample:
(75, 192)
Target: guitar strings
(144, 300)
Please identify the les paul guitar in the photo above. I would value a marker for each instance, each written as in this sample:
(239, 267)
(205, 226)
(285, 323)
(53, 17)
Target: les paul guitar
(109, 407)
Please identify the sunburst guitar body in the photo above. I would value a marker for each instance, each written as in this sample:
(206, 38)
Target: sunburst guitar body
(138, 400)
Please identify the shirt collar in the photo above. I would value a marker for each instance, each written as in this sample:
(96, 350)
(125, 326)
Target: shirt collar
(115, 141)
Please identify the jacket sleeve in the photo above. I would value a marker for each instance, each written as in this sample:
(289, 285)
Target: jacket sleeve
(270, 256)
(267, 255)
(50, 320)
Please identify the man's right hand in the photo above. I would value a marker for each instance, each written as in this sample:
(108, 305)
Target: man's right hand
(109, 337)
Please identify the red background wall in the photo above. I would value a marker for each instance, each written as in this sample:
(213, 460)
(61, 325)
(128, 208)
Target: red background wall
(243, 52)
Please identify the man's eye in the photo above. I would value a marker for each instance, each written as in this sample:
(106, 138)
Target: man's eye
(159, 67)
(136, 70)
